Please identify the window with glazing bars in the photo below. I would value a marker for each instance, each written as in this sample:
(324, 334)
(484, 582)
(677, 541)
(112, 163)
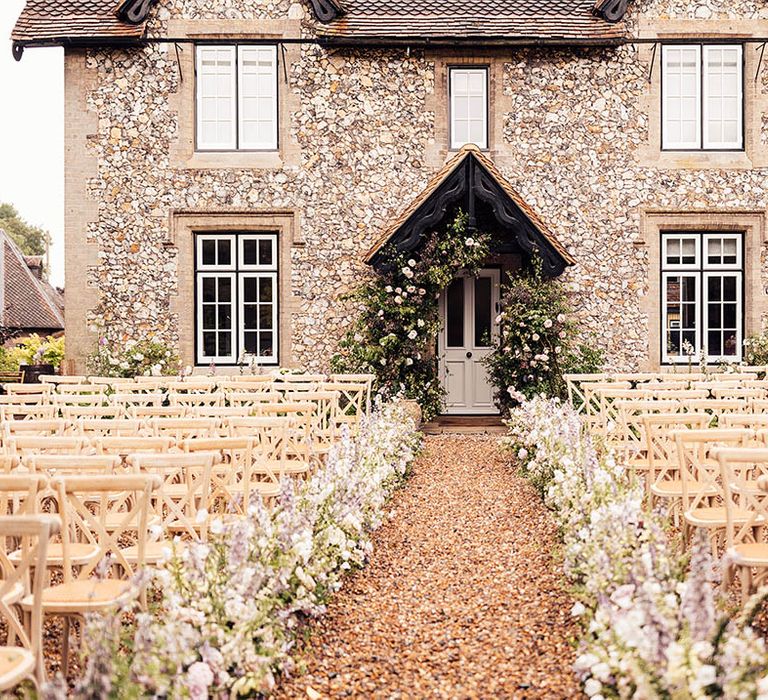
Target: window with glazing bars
(236, 299)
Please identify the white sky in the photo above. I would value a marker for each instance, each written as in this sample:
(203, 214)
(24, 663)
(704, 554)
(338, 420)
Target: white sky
(32, 135)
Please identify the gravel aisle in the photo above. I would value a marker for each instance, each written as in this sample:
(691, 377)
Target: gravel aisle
(461, 599)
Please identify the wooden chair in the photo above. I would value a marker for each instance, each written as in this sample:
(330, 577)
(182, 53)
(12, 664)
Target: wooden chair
(24, 659)
(8, 463)
(143, 412)
(33, 411)
(78, 411)
(293, 425)
(50, 427)
(37, 390)
(354, 402)
(746, 542)
(299, 378)
(183, 428)
(754, 421)
(139, 398)
(324, 416)
(12, 377)
(739, 393)
(56, 465)
(105, 381)
(703, 495)
(195, 399)
(244, 472)
(123, 446)
(184, 491)
(196, 385)
(20, 493)
(759, 405)
(254, 384)
(57, 379)
(106, 523)
(627, 438)
(662, 478)
(219, 412)
(715, 408)
(103, 427)
(248, 399)
(26, 445)
(88, 389)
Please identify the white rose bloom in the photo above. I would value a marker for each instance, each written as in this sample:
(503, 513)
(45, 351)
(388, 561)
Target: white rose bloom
(412, 263)
(412, 334)
(420, 323)
(578, 608)
(535, 336)
(592, 687)
(548, 323)
(409, 361)
(202, 516)
(470, 241)
(138, 357)
(388, 289)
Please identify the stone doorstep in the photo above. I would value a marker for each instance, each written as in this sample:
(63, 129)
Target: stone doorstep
(464, 425)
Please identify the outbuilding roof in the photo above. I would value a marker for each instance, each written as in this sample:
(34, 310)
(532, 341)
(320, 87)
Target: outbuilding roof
(26, 302)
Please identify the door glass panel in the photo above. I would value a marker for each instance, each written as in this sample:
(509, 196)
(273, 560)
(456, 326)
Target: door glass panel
(482, 311)
(454, 300)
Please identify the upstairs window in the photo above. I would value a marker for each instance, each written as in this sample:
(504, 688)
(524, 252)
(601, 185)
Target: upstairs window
(702, 306)
(236, 98)
(236, 276)
(702, 96)
(469, 106)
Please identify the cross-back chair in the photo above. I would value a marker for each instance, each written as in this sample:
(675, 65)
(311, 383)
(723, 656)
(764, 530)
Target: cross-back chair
(746, 532)
(22, 656)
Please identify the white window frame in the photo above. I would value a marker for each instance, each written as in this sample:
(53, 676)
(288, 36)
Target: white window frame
(222, 359)
(702, 271)
(265, 359)
(237, 273)
(666, 357)
(738, 143)
(237, 141)
(681, 265)
(242, 238)
(739, 311)
(453, 71)
(231, 143)
(271, 143)
(701, 142)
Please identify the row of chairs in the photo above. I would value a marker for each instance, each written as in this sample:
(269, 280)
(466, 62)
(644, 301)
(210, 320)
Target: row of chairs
(702, 451)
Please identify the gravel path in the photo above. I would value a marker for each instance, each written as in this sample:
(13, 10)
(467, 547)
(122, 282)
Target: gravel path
(461, 599)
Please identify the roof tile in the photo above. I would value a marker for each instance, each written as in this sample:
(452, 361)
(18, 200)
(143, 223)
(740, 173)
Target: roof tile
(90, 20)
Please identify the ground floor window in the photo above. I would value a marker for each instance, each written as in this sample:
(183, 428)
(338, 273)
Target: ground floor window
(702, 296)
(236, 277)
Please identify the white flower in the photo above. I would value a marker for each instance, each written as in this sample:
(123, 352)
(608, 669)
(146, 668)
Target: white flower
(388, 289)
(217, 526)
(124, 365)
(522, 453)
(585, 662)
(155, 532)
(201, 517)
(398, 300)
(470, 241)
(358, 338)
(199, 678)
(560, 318)
(420, 323)
(706, 675)
(408, 361)
(578, 608)
(535, 337)
(138, 357)
(412, 334)
(113, 361)
(592, 687)
(548, 323)
(380, 313)
(412, 263)
(602, 672)
(408, 272)
(422, 292)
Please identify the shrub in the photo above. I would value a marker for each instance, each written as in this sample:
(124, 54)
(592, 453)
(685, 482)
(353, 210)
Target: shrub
(537, 341)
(756, 349)
(143, 357)
(33, 350)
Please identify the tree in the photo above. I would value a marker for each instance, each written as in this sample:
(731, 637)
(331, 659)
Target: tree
(32, 240)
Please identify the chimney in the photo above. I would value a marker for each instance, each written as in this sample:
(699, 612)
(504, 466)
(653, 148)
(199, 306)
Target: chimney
(35, 265)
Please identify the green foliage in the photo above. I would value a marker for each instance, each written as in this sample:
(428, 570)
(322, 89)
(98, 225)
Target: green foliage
(537, 341)
(134, 358)
(32, 240)
(33, 350)
(394, 335)
(756, 349)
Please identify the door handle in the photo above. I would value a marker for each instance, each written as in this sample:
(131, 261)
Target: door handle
(469, 354)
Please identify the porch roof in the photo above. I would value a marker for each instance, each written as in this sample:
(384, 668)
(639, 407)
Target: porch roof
(448, 186)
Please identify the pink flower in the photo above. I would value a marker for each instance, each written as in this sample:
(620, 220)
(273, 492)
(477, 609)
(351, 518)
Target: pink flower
(199, 679)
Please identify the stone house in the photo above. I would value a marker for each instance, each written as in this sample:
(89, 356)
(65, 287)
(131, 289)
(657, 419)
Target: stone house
(233, 166)
(28, 303)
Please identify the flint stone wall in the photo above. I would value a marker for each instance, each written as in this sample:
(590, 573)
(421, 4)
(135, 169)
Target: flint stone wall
(573, 128)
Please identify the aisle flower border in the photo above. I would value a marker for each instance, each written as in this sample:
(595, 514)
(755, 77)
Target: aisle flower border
(649, 630)
(230, 611)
